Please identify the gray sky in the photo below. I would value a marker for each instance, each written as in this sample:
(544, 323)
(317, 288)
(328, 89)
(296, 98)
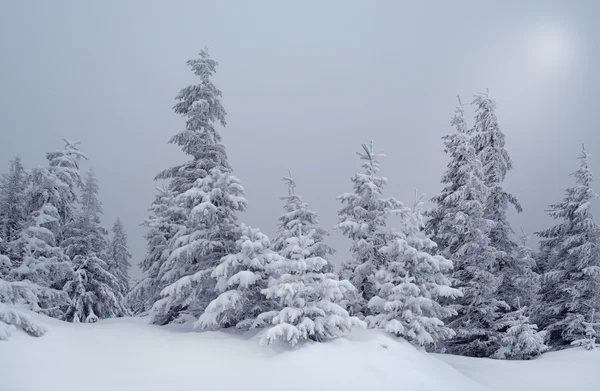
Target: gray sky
(304, 83)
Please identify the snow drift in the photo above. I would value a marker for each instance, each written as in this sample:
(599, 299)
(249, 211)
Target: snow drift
(129, 354)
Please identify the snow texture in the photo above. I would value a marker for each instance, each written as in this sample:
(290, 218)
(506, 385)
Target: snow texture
(136, 356)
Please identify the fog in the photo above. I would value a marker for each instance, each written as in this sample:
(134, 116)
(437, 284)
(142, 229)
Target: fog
(304, 84)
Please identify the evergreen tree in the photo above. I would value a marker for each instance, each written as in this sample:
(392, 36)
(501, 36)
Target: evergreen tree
(570, 285)
(12, 207)
(591, 333)
(307, 299)
(297, 213)
(240, 279)
(520, 281)
(521, 340)
(64, 165)
(94, 291)
(412, 283)
(44, 263)
(489, 142)
(119, 255)
(207, 194)
(363, 219)
(164, 221)
(459, 225)
(19, 293)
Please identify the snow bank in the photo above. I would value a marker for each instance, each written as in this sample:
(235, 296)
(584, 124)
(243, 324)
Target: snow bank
(128, 354)
(572, 369)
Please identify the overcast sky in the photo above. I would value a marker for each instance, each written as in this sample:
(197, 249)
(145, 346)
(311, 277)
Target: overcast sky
(304, 84)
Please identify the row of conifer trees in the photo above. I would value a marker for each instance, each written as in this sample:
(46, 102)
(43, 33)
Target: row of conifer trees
(453, 278)
(55, 256)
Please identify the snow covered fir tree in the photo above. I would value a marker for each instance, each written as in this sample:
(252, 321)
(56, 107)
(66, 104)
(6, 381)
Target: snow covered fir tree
(297, 213)
(462, 230)
(309, 301)
(413, 285)
(241, 278)
(161, 225)
(363, 220)
(95, 291)
(54, 248)
(207, 197)
(570, 284)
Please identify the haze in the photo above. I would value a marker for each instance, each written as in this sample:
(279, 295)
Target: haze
(304, 84)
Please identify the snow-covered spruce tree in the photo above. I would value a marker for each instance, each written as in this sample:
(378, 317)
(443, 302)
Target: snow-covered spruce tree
(119, 255)
(363, 219)
(241, 277)
(12, 208)
(207, 193)
(20, 293)
(592, 333)
(570, 285)
(489, 142)
(297, 213)
(520, 281)
(307, 298)
(412, 284)
(459, 225)
(64, 165)
(162, 224)
(521, 340)
(44, 263)
(95, 292)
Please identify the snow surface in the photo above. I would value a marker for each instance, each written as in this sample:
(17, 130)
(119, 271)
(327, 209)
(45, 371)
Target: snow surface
(128, 354)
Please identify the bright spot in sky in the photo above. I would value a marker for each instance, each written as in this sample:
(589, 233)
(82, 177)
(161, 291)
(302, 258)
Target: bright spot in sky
(551, 47)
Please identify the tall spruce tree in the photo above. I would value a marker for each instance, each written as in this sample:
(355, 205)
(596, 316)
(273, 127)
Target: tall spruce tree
(119, 255)
(489, 142)
(462, 231)
(412, 285)
(207, 194)
(570, 284)
(363, 220)
(50, 199)
(94, 291)
(12, 208)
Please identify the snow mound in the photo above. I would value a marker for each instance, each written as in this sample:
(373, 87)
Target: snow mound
(128, 354)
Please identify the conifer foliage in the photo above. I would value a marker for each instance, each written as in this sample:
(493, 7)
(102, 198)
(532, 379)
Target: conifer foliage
(463, 231)
(94, 291)
(297, 213)
(12, 207)
(241, 277)
(570, 285)
(207, 195)
(412, 284)
(50, 201)
(119, 256)
(307, 298)
(162, 224)
(363, 219)
(521, 340)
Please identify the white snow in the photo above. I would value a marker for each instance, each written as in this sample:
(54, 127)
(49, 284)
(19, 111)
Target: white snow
(128, 354)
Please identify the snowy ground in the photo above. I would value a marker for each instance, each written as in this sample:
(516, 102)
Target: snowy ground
(128, 354)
